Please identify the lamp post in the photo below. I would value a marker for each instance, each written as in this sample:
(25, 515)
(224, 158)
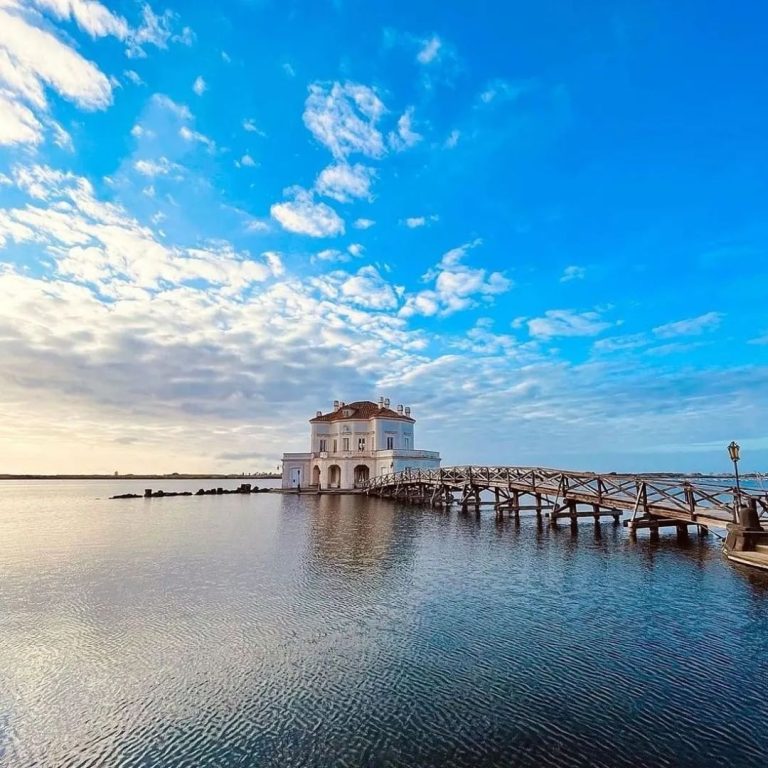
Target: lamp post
(733, 452)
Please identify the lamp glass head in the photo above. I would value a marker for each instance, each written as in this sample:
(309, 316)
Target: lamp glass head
(733, 450)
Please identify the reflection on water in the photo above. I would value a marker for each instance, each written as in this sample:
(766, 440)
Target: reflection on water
(336, 630)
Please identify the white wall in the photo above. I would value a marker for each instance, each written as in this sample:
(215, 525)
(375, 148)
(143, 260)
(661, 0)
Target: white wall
(393, 428)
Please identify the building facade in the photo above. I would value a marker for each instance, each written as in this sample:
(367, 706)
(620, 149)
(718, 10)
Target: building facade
(354, 442)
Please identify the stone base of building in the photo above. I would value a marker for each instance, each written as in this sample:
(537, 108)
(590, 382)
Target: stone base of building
(348, 471)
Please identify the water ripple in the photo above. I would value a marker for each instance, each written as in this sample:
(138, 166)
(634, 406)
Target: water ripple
(338, 631)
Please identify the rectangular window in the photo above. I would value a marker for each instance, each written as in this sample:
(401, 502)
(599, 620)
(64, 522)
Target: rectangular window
(360, 443)
(407, 442)
(345, 443)
(335, 446)
(390, 443)
(323, 446)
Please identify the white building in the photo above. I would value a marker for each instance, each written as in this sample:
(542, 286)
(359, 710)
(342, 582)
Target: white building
(354, 442)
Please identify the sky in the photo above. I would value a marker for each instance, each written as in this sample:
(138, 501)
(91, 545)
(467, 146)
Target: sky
(541, 225)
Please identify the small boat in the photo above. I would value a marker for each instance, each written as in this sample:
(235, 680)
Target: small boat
(756, 558)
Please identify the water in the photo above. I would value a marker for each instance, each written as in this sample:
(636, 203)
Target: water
(274, 630)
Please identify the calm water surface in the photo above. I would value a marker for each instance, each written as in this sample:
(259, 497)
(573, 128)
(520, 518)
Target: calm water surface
(275, 630)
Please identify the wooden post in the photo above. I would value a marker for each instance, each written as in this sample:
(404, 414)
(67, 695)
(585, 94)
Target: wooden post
(538, 506)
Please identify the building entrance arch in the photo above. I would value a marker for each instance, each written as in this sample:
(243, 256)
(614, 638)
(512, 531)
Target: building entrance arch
(334, 476)
(362, 473)
(316, 476)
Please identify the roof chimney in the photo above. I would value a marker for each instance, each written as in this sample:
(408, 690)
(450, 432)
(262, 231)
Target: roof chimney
(335, 405)
(386, 402)
(407, 410)
(318, 414)
(381, 402)
(400, 409)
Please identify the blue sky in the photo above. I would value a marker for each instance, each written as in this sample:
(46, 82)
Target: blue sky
(543, 226)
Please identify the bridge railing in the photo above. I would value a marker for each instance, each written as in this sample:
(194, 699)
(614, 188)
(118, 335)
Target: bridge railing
(670, 493)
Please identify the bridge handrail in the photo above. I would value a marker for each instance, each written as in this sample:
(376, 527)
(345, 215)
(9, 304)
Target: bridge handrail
(660, 491)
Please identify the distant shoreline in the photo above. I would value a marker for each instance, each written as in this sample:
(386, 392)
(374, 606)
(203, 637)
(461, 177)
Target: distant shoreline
(209, 476)
(277, 476)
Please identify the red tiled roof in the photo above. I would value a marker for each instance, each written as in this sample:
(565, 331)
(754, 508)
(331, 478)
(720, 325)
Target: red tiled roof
(362, 409)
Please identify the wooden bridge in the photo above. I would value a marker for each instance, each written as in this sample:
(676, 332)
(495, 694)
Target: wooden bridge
(651, 500)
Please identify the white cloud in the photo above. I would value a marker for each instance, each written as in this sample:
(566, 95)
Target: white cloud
(405, 137)
(133, 76)
(99, 243)
(180, 110)
(139, 130)
(98, 21)
(251, 127)
(456, 286)
(195, 136)
(199, 86)
(257, 225)
(344, 182)
(504, 90)
(363, 223)
(693, 326)
(453, 139)
(304, 216)
(18, 124)
(429, 50)
(34, 58)
(61, 137)
(160, 167)
(156, 30)
(217, 340)
(91, 16)
(344, 118)
(37, 56)
(573, 273)
(354, 250)
(414, 222)
(247, 161)
(369, 289)
(565, 322)
(621, 343)
(331, 255)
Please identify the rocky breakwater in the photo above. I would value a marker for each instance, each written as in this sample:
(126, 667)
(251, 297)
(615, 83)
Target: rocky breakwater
(245, 488)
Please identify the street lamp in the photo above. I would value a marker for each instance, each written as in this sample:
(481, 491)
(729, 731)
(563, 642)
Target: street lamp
(733, 452)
